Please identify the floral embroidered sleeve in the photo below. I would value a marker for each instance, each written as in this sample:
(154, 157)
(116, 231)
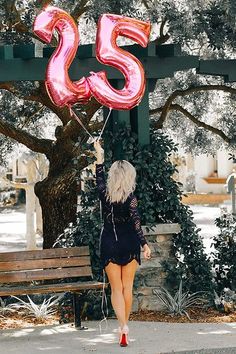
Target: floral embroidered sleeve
(100, 180)
(133, 207)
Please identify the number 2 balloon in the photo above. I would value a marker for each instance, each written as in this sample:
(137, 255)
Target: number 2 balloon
(64, 92)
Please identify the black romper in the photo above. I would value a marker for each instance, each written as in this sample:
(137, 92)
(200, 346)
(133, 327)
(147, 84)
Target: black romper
(121, 234)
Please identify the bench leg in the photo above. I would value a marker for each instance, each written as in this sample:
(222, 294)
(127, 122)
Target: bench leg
(77, 311)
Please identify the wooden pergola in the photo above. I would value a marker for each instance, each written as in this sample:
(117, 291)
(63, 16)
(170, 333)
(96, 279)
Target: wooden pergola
(20, 63)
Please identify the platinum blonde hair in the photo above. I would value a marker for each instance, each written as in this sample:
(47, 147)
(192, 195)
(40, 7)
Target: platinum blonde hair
(121, 181)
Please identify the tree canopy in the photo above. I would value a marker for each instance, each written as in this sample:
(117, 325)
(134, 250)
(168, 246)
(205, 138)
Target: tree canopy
(198, 110)
(204, 28)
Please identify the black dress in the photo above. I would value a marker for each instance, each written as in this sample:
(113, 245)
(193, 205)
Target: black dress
(121, 235)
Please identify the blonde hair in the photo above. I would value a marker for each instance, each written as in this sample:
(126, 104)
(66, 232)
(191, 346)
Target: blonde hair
(121, 181)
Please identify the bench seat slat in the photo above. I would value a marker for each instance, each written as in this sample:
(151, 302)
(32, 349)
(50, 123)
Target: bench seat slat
(51, 288)
(44, 263)
(45, 253)
(21, 276)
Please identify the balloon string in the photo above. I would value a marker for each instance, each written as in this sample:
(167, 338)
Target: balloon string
(72, 113)
(103, 297)
(100, 135)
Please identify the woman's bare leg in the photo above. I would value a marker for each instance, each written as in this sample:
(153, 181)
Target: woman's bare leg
(117, 299)
(127, 276)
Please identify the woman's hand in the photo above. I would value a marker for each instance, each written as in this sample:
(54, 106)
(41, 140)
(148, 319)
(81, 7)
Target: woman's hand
(99, 151)
(146, 252)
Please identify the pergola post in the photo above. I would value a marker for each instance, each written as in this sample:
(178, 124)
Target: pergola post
(139, 119)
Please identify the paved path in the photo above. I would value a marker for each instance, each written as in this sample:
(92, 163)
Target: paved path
(145, 338)
(204, 217)
(13, 229)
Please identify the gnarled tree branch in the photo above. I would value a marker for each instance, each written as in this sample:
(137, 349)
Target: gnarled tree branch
(21, 136)
(43, 3)
(80, 9)
(182, 93)
(170, 106)
(145, 3)
(199, 123)
(8, 86)
(162, 38)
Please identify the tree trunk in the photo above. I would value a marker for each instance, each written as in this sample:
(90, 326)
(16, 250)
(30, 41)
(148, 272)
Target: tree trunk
(57, 193)
(58, 198)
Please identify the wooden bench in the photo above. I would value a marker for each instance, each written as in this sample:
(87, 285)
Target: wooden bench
(39, 272)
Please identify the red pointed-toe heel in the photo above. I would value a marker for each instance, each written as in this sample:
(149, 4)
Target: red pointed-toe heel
(124, 336)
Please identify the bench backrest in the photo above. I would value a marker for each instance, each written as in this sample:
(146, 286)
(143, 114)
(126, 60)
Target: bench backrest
(56, 263)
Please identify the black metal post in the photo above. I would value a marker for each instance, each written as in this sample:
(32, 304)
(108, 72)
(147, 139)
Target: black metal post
(77, 311)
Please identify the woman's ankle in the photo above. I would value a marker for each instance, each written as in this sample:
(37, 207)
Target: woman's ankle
(125, 328)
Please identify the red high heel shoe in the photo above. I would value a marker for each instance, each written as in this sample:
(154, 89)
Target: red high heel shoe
(124, 336)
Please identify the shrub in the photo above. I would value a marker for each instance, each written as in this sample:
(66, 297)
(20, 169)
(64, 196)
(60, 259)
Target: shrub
(5, 308)
(226, 301)
(224, 256)
(180, 302)
(38, 311)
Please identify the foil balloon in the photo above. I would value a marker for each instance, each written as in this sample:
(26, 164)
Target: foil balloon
(60, 88)
(107, 52)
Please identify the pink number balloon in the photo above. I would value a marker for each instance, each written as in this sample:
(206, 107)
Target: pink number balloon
(60, 88)
(107, 52)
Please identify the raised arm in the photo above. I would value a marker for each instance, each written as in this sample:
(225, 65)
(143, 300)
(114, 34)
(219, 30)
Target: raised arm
(100, 179)
(133, 208)
(100, 176)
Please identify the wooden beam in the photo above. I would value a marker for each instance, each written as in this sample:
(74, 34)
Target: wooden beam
(35, 69)
(84, 51)
(24, 51)
(160, 68)
(140, 121)
(6, 52)
(219, 67)
(18, 63)
(168, 50)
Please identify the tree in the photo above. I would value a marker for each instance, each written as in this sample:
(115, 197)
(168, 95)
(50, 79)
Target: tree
(25, 104)
(198, 109)
(58, 192)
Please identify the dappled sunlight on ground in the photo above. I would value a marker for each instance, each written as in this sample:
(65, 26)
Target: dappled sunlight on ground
(13, 229)
(145, 338)
(204, 217)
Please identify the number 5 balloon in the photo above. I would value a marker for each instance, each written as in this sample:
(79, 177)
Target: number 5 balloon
(107, 52)
(61, 89)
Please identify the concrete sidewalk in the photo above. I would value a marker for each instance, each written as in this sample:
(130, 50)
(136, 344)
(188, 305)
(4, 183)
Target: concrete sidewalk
(145, 338)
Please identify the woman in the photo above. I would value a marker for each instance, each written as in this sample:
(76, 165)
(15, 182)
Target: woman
(121, 236)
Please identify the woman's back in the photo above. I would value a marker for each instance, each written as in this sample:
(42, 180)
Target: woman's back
(119, 214)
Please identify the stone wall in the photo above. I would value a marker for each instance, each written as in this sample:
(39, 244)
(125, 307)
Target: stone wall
(150, 274)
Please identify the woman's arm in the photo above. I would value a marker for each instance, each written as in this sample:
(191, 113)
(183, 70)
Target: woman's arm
(99, 152)
(100, 176)
(100, 180)
(133, 207)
